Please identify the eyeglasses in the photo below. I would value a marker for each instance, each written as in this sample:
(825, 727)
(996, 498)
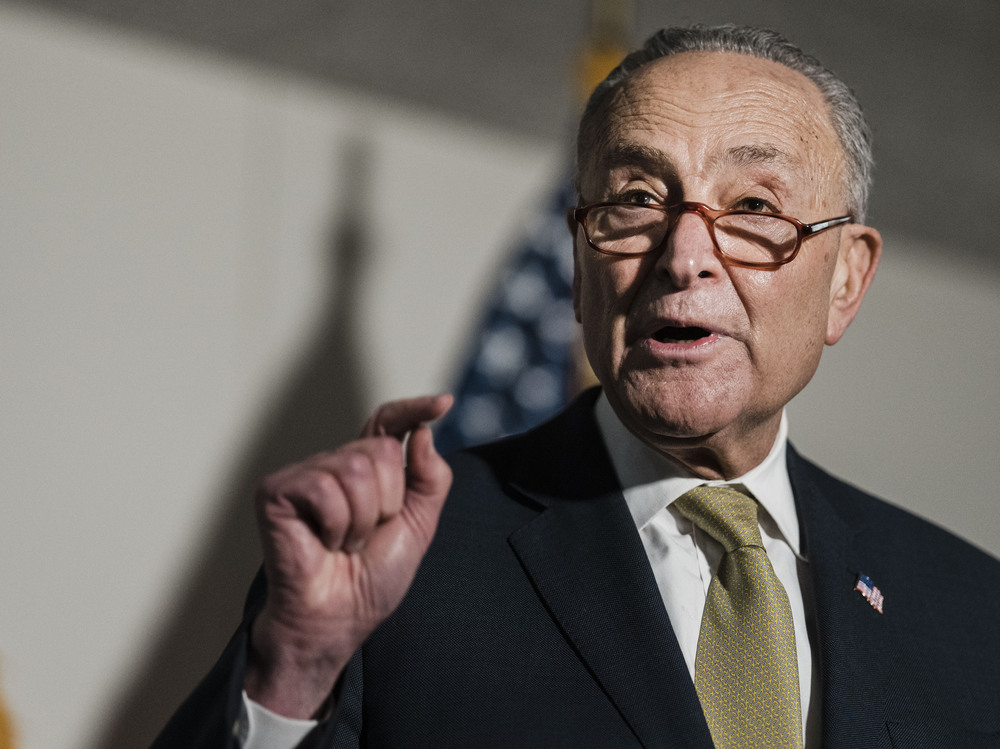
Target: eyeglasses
(747, 238)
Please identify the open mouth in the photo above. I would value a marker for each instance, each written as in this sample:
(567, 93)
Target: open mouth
(674, 334)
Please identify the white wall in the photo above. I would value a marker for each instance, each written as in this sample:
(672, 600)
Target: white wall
(907, 404)
(165, 218)
(165, 224)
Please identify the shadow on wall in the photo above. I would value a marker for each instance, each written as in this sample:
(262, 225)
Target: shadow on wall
(319, 408)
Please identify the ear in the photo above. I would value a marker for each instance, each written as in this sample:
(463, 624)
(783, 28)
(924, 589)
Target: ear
(860, 250)
(573, 226)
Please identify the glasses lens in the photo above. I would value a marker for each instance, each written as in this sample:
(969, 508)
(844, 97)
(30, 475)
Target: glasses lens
(627, 229)
(756, 237)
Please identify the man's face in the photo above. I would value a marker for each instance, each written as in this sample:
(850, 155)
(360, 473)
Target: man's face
(698, 356)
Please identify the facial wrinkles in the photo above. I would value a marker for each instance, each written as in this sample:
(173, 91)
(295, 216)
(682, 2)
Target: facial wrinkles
(713, 131)
(732, 308)
(699, 132)
(695, 124)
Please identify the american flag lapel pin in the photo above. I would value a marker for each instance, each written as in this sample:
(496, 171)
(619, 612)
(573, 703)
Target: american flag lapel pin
(872, 594)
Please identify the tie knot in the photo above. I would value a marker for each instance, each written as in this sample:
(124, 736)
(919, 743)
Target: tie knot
(726, 514)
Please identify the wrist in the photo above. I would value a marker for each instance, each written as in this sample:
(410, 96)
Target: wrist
(292, 673)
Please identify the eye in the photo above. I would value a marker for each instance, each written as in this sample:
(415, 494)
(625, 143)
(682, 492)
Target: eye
(756, 205)
(638, 197)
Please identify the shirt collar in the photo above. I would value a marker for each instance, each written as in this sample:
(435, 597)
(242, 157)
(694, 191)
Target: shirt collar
(651, 481)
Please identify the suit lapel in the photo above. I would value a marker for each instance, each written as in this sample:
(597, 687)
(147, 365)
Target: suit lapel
(850, 633)
(586, 561)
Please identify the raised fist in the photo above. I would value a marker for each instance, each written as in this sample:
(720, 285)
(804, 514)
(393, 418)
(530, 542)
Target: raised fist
(343, 534)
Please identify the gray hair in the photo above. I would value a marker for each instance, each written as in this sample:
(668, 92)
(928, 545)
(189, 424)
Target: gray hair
(845, 112)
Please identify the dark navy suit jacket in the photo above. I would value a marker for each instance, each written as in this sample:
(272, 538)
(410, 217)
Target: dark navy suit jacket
(535, 621)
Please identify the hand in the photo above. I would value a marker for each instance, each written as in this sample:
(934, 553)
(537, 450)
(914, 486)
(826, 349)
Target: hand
(343, 534)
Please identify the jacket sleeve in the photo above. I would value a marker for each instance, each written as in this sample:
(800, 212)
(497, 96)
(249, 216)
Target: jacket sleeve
(210, 718)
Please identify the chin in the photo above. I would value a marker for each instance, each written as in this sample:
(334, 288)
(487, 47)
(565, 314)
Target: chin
(672, 414)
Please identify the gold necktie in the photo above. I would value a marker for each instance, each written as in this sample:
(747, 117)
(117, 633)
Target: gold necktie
(746, 670)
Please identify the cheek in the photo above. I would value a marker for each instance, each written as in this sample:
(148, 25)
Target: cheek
(599, 316)
(606, 291)
(787, 314)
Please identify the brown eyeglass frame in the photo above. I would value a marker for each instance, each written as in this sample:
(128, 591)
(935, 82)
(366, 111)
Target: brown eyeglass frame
(710, 215)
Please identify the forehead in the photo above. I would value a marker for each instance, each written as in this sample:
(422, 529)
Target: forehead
(700, 110)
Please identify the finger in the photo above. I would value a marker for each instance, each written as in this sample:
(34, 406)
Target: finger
(428, 477)
(396, 418)
(398, 545)
(338, 497)
(370, 473)
(386, 456)
(304, 495)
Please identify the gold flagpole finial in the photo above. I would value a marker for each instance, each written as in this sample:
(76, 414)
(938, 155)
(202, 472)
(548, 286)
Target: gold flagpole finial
(608, 42)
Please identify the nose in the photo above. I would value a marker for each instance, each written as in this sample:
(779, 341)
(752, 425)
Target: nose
(688, 252)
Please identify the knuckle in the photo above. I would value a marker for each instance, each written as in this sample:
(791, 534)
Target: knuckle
(337, 516)
(322, 485)
(269, 489)
(356, 467)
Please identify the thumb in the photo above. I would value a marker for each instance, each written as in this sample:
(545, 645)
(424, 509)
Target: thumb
(428, 476)
(398, 545)
(396, 418)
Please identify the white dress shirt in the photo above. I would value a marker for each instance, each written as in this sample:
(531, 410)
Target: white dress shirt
(259, 728)
(682, 558)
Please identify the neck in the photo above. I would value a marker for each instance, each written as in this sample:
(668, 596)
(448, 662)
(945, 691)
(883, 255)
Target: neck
(719, 456)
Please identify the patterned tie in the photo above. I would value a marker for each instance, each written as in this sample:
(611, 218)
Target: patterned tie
(746, 671)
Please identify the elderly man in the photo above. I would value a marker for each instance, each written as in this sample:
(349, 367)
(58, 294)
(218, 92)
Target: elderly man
(656, 566)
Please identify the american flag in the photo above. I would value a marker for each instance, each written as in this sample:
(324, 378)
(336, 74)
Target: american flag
(525, 361)
(520, 367)
(872, 594)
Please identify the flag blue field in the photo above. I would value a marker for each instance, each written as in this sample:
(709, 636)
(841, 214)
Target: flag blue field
(519, 369)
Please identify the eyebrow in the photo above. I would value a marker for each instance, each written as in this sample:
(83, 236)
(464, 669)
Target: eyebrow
(635, 154)
(753, 154)
(654, 160)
